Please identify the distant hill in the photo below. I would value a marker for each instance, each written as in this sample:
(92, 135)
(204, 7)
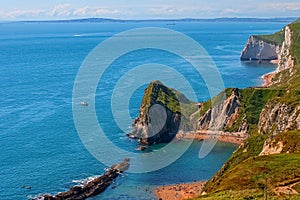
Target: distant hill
(225, 19)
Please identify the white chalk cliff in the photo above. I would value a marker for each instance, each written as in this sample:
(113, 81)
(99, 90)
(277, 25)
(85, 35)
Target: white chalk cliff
(284, 57)
(257, 49)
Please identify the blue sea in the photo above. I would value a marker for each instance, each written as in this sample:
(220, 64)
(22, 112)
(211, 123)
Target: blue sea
(40, 150)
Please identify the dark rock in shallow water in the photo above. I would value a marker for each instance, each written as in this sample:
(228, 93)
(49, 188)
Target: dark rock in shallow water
(131, 135)
(92, 188)
(142, 148)
(160, 115)
(123, 166)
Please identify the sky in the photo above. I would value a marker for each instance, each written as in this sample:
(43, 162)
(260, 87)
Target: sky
(146, 9)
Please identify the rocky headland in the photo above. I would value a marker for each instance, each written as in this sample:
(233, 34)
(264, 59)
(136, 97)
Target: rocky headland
(267, 161)
(274, 131)
(258, 48)
(275, 48)
(166, 113)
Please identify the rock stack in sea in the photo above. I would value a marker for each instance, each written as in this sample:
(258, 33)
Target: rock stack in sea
(160, 114)
(259, 49)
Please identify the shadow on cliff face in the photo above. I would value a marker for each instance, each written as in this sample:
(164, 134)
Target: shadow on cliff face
(160, 115)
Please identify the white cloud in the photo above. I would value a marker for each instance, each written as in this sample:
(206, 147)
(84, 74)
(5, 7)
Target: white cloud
(86, 11)
(162, 9)
(230, 11)
(17, 13)
(195, 10)
(104, 11)
(187, 11)
(279, 7)
(82, 11)
(283, 6)
(61, 10)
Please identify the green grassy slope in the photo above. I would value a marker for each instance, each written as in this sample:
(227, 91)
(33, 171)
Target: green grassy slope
(159, 93)
(174, 100)
(257, 177)
(295, 27)
(249, 176)
(252, 100)
(276, 38)
(291, 82)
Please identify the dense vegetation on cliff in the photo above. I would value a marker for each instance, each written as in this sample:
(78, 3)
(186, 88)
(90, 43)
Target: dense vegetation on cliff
(157, 92)
(259, 177)
(296, 41)
(163, 112)
(276, 38)
(266, 165)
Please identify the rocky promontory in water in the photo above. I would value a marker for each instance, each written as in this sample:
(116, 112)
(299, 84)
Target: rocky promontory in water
(92, 188)
(166, 113)
(270, 47)
(264, 47)
(257, 48)
(161, 115)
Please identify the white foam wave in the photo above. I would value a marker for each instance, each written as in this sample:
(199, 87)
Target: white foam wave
(88, 34)
(37, 197)
(84, 181)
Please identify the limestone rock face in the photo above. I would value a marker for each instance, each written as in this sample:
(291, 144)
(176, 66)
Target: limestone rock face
(160, 115)
(279, 117)
(284, 57)
(274, 119)
(223, 114)
(269, 148)
(256, 49)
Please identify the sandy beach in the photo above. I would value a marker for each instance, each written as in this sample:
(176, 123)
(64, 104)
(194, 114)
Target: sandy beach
(268, 79)
(229, 137)
(192, 190)
(179, 191)
(274, 61)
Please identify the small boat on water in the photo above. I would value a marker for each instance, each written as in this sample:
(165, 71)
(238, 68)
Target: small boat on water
(84, 103)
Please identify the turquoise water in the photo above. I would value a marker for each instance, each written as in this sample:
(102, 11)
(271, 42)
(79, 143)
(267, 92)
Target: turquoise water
(39, 145)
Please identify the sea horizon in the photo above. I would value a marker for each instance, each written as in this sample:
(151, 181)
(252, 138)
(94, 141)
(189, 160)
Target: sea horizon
(212, 19)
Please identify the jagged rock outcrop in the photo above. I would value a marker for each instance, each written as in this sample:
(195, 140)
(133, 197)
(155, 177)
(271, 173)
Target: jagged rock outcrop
(160, 115)
(92, 188)
(270, 148)
(224, 114)
(277, 118)
(257, 49)
(285, 57)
